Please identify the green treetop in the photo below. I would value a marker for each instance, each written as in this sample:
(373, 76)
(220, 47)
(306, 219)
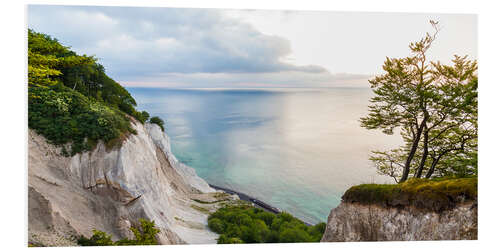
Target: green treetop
(434, 106)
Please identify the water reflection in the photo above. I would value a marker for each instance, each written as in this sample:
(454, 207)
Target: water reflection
(298, 150)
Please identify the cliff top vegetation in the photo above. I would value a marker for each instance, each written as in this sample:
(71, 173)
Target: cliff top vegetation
(430, 194)
(72, 101)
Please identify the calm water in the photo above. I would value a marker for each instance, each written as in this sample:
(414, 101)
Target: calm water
(298, 150)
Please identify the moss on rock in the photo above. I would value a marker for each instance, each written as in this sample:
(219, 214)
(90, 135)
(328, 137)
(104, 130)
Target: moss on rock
(435, 194)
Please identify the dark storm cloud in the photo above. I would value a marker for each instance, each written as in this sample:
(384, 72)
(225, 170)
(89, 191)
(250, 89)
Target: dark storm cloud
(135, 42)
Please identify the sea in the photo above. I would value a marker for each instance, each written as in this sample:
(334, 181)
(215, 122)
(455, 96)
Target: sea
(296, 149)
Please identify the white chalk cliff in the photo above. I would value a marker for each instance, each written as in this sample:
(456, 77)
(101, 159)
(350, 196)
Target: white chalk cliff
(352, 221)
(110, 189)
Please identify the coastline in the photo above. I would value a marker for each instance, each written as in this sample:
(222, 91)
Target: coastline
(252, 200)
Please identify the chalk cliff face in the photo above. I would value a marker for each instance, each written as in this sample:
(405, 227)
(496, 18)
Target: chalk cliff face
(110, 189)
(361, 222)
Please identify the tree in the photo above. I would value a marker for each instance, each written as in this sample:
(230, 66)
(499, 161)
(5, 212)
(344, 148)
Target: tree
(401, 96)
(390, 162)
(46, 58)
(247, 224)
(145, 115)
(457, 109)
(72, 100)
(50, 63)
(216, 225)
(432, 105)
(157, 120)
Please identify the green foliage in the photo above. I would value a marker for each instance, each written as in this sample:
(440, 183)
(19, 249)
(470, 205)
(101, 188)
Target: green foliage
(146, 235)
(99, 238)
(157, 120)
(246, 224)
(433, 194)
(65, 116)
(223, 239)
(50, 63)
(143, 116)
(46, 58)
(216, 225)
(434, 107)
(72, 100)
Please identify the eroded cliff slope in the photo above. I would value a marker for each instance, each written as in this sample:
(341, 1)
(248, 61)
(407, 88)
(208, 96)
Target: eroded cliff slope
(416, 210)
(110, 189)
(359, 222)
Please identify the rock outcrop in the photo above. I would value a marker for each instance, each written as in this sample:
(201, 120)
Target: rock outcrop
(351, 221)
(110, 189)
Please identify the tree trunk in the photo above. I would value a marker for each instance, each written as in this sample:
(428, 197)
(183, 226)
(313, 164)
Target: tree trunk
(433, 167)
(413, 149)
(418, 174)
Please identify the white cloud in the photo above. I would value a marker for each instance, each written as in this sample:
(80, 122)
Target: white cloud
(165, 40)
(208, 47)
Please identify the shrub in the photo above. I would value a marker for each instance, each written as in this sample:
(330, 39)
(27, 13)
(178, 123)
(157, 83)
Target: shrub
(146, 235)
(246, 224)
(65, 116)
(157, 120)
(289, 235)
(216, 225)
(143, 116)
(99, 238)
(223, 239)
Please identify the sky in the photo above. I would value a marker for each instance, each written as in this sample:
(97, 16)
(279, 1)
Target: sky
(217, 48)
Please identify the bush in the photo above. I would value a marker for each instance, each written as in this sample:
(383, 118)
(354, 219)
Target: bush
(146, 235)
(143, 116)
(99, 238)
(157, 120)
(216, 225)
(223, 239)
(289, 235)
(246, 224)
(65, 116)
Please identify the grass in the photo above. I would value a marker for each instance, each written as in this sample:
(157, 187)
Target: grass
(435, 194)
(209, 202)
(201, 209)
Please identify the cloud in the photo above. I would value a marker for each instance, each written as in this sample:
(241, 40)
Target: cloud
(173, 45)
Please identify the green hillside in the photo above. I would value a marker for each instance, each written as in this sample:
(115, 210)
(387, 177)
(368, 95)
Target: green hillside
(71, 100)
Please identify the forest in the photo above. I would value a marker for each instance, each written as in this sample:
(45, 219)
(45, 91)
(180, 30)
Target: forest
(71, 100)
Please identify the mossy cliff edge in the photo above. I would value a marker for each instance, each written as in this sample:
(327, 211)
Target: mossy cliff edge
(414, 210)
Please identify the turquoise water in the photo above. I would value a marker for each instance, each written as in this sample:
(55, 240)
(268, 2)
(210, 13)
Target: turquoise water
(297, 149)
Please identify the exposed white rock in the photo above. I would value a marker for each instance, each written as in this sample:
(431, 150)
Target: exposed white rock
(358, 222)
(110, 189)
